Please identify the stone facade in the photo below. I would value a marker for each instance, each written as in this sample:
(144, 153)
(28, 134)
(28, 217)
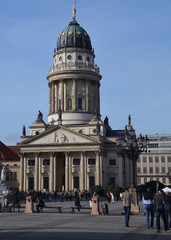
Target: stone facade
(75, 149)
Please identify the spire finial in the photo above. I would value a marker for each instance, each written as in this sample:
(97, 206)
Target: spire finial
(74, 11)
(129, 120)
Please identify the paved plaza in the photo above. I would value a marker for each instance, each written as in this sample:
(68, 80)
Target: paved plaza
(66, 225)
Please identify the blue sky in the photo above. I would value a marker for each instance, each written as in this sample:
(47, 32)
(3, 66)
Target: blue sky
(132, 43)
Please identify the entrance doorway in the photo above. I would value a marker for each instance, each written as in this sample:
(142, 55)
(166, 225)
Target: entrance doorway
(31, 183)
(76, 183)
(46, 183)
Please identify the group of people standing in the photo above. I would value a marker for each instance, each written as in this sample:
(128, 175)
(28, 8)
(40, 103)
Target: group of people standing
(161, 204)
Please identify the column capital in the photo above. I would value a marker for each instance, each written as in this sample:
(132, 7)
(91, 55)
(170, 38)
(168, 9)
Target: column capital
(36, 154)
(82, 153)
(99, 153)
(22, 154)
(67, 153)
(52, 154)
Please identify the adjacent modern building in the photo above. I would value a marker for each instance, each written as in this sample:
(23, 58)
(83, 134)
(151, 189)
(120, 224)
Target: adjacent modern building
(156, 163)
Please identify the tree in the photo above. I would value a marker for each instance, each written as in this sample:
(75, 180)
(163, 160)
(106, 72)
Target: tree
(98, 189)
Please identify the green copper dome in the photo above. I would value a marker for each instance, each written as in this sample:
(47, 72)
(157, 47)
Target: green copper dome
(74, 36)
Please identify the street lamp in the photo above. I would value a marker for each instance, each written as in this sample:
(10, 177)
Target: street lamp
(132, 146)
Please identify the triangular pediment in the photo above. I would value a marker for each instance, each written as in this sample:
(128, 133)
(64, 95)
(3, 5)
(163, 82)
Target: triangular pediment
(59, 135)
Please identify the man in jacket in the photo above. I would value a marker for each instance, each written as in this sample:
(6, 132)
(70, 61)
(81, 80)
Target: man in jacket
(127, 200)
(149, 207)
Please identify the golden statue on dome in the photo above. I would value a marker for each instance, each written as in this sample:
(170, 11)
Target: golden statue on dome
(74, 11)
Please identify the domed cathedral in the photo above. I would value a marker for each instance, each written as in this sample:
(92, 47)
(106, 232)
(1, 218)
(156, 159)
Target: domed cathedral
(75, 148)
(74, 79)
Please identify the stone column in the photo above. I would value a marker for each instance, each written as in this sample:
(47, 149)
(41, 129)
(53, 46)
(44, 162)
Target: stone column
(101, 167)
(56, 97)
(50, 98)
(62, 95)
(82, 170)
(65, 96)
(40, 175)
(66, 171)
(25, 175)
(74, 95)
(86, 96)
(36, 173)
(54, 173)
(22, 172)
(97, 168)
(85, 171)
(51, 187)
(98, 100)
(53, 97)
(70, 173)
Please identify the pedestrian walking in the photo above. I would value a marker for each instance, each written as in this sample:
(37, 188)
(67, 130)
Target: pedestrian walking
(167, 207)
(127, 200)
(148, 202)
(159, 206)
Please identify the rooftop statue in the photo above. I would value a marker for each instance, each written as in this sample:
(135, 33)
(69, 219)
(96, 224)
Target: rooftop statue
(40, 116)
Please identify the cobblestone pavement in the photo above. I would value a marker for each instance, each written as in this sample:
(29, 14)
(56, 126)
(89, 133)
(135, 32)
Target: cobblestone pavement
(66, 225)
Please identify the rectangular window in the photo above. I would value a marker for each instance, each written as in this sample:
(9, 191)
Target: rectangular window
(169, 170)
(91, 181)
(156, 159)
(80, 105)
(163, 170)
(150, 159)
(138, 180)
(138, 170)
(112, 161)
(145, 170)
(31, 162)
(151, 170)
(46, 162)
(145, 180)
(163, 180)
(157, 169)
(144, 159)
(91, 161)
(163, 159)
(76, 161)
(169, 159)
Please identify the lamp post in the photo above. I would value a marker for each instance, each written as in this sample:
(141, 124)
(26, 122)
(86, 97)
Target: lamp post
(132, 146)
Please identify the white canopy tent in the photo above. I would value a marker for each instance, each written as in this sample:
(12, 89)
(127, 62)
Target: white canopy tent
(166, 189)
